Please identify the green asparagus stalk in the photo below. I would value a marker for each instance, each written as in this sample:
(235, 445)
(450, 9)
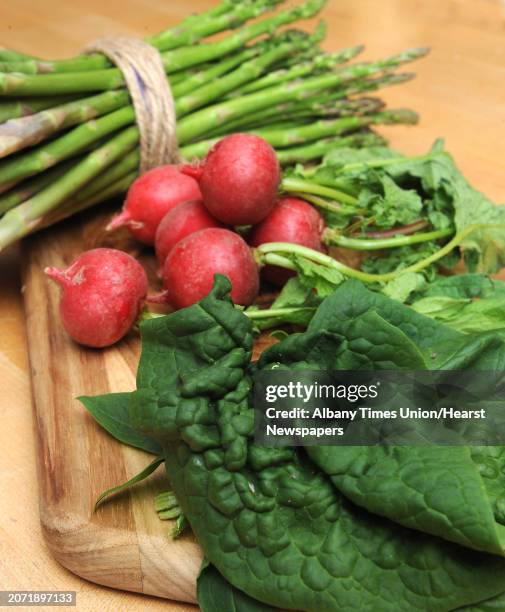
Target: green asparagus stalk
(187, 33)
(245, 73)
(28, 131)
(201, 122)
(79, 204)
(24, 218)
(321, 63)
(306, 133)
(123, 167)
(27, 106)
(211, 72)
(312, 105)
(7, 55)
(32, 186)
(322, 129)
(317, 150)
(76, 82)
(68, 145)
(298, 113)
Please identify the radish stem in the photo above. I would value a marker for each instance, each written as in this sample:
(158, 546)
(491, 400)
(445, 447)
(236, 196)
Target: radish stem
(332, 237)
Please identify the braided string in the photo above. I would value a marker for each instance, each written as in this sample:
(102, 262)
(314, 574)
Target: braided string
(151, 95)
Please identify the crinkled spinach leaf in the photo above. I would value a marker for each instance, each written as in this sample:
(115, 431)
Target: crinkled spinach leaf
(293, 530)
(215, 594)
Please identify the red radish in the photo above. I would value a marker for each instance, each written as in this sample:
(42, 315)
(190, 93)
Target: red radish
(149, 199)
(292, 220)
(188, 272)
(239, 179)
(103, 293)
(186, 218)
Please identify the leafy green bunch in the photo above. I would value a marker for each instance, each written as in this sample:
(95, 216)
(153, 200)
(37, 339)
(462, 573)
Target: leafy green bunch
(317, 528)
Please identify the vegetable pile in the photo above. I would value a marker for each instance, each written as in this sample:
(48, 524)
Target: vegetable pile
(363, 244)
(67, 128)
(322, 527)
(415, 216)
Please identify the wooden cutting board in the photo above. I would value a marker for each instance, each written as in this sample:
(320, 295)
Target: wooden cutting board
(124, 544)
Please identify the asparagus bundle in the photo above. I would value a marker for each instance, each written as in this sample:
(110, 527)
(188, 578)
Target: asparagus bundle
(69, 140)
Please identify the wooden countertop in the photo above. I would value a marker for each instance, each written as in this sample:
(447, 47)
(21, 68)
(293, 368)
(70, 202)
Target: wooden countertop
(459, 92)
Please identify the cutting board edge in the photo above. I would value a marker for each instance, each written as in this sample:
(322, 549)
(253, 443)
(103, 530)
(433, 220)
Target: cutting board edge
(66, 533)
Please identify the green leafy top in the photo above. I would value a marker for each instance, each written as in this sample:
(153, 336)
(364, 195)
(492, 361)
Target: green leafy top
(387, 190)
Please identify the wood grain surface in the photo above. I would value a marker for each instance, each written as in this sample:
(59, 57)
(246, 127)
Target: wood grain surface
(459, 93)
(123, 545)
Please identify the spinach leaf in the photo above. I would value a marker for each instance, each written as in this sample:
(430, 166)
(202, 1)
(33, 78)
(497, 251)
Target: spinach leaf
(288, 529)
(112, 413)
(215, 594)
(401, 484)
(495, 604)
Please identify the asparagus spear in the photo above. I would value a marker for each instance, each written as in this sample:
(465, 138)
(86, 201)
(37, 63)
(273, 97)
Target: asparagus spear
(322, 129)
(203, 121)
(62, 148)
(46, 122)
(184, 57)
(310, 109)
(230, 15)
(27, 106)
(321, 63)
(290, 42)
(28, 131)
(27, 216)
(32, 186)
(317, 150)
(312, 104)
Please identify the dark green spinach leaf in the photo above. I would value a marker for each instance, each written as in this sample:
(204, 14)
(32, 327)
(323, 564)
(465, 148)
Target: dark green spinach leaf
(298, 532)
(112, 413)
(215, 594)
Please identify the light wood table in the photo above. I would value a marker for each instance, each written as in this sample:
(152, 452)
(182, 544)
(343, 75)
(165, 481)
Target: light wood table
(459, 92)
